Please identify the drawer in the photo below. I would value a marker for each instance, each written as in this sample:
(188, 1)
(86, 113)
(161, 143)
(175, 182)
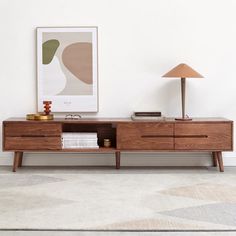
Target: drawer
(147, 136)
(32, 129)
(211, 136)
(32, 143)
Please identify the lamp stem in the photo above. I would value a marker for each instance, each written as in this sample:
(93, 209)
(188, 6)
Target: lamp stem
(183, 80)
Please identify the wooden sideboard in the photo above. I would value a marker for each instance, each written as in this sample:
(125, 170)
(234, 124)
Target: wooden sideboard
(198, 135)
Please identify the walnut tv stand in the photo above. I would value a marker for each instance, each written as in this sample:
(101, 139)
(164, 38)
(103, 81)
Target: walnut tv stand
(203, 134)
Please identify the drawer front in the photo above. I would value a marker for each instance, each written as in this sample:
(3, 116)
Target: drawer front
(145, 136)
(211, 136)
(29, 129)
(32, 143)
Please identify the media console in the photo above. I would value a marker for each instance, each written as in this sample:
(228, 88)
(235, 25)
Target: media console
(199, 135)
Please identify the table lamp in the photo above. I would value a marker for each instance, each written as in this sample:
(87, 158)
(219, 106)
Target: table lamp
(183, 71)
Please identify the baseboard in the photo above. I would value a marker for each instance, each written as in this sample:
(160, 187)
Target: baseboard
(127, 159)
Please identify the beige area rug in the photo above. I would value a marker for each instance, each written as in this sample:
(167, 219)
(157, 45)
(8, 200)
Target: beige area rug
(117, 200)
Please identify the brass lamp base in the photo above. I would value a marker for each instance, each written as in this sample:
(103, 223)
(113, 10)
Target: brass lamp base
(184, 119)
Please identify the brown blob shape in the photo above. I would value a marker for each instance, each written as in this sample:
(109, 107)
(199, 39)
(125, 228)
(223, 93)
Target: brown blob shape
(77, 58)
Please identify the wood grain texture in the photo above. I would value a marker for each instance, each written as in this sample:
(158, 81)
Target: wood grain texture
(214, 158)
(112, 120)
(33, 143)
(202, 134)
(207, 136)
(220, 161)
(29, 129)
(117, 159)
(16, 161)
(138, 136)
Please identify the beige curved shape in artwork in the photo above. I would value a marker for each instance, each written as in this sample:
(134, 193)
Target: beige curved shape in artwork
(77, 58)
(74, 86)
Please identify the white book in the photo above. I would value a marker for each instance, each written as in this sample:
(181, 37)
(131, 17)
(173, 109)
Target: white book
(75, 145)
(80, 139)
(79, 147)
(79, 134)
(78, 143)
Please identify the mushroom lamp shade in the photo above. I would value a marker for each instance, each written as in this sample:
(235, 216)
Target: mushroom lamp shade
(183, 71)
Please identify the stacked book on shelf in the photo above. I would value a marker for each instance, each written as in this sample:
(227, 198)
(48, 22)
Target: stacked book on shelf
(149, 115)
(79, 140)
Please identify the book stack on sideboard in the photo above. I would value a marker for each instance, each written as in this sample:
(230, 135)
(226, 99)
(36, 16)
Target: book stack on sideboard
(147, 115)
(79, 140)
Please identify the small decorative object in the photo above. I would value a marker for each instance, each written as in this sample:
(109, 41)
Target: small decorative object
(42, 116)
(107, 142)
(39, 116)
(147, 113)
(72, 117)
(183, 71)
(47, 107)
(67, 68)
(30, 116)
(147, 118)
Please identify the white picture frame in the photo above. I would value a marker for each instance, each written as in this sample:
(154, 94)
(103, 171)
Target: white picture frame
(67, 68)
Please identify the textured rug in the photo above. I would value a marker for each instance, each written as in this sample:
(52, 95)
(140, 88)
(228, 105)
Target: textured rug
(116, 200)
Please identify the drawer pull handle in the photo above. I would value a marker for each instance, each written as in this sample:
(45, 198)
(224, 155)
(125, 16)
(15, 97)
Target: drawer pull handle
(37, 136)
(174, 136)
(191, 136)
(157, 136)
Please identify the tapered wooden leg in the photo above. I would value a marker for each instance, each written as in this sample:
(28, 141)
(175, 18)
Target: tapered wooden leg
(220, 161)
(214, 159)
(16, 161)
(20, 159)
(117, 160)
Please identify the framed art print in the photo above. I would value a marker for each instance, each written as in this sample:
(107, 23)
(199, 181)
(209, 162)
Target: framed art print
(67, 68)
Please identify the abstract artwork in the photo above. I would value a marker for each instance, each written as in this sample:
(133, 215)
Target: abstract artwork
(67, 68)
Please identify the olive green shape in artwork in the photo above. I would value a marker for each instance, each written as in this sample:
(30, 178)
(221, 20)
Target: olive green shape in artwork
(49, 50)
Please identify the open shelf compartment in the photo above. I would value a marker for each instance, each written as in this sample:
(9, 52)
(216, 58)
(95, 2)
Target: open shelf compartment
(104, 131)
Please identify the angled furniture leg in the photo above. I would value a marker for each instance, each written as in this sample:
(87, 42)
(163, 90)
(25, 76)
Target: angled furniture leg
(220, 161)
(20, 159)
(16, 161)
(117, 159)
(214, 159)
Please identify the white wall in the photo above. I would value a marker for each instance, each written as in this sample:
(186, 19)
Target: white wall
(139, 40)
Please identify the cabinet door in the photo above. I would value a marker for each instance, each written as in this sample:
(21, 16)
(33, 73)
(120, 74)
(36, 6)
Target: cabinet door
(145, 136)
(203, 136)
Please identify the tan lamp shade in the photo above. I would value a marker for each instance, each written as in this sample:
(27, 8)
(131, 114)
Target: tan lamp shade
(182, 71)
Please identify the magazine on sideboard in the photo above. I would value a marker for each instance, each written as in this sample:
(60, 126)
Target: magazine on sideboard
(147, 115)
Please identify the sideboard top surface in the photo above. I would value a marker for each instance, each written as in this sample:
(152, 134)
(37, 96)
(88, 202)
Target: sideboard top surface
(118, 120)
